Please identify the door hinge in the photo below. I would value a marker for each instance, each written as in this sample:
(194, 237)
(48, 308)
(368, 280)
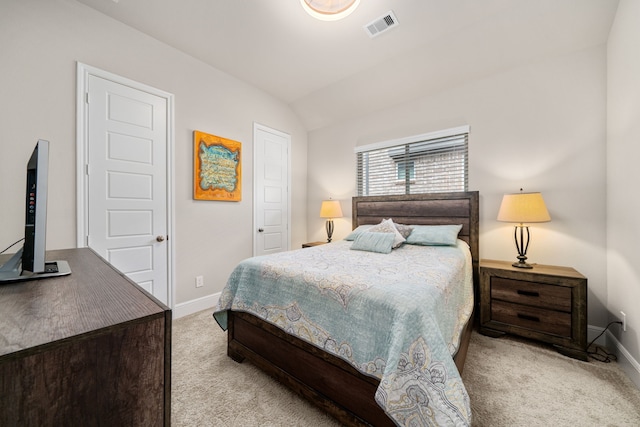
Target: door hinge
(86, 98)
(87, 169)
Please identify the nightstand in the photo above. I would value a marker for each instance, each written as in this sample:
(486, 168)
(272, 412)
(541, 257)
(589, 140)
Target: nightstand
(311, 244)
(547, 303)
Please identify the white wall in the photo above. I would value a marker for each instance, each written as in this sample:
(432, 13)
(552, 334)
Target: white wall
(40, 42)
(540, 127)
(623, 173)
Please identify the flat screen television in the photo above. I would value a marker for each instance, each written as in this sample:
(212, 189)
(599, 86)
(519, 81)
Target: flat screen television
(33, 251)
(29, 262)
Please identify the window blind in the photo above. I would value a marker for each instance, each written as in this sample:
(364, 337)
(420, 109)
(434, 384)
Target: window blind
(422, 164)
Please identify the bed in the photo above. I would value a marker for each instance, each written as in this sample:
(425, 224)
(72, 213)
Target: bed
(330, 375)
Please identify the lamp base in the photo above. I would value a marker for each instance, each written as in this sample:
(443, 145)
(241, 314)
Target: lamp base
(329, 229)
(522, 265)
(522, 246)
(522, 262)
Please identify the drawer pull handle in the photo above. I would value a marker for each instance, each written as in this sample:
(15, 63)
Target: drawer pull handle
(528, 293)
(528, 317)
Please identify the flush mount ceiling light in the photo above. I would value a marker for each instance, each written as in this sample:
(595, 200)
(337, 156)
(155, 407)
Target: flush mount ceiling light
(329, 10)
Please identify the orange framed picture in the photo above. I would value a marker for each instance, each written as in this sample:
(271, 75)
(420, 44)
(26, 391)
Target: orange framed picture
(217, 168)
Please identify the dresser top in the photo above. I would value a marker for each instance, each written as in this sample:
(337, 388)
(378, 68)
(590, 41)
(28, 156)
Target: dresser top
(93, 297)
(548, 270)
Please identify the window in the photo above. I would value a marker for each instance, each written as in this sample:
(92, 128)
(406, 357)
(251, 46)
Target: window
(429, 163)
(404, 168)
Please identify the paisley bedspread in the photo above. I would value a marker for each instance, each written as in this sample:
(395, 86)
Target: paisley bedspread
(397, 317)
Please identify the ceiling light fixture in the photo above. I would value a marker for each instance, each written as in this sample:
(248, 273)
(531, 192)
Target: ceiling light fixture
(329, 10)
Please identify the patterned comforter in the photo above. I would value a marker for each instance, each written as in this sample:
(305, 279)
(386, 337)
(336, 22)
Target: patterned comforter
(397, 317)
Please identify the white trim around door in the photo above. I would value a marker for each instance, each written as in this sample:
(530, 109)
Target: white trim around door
(84, 72)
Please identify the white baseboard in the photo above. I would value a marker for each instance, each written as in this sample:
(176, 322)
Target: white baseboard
(629, 365)
(195, 305)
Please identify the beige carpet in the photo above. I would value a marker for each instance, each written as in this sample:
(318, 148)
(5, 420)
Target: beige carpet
(510, 383)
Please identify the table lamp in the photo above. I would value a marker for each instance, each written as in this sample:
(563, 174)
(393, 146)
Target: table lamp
(330, 209)
(523, 208)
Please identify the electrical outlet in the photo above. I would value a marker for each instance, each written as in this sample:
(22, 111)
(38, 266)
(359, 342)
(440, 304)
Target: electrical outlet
(624, 321)
(199, 281)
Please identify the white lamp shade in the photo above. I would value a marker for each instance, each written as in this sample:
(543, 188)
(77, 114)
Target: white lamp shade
(523, 208)
(330, 209)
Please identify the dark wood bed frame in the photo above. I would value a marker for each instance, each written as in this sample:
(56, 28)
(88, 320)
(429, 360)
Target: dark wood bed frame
(325, 380)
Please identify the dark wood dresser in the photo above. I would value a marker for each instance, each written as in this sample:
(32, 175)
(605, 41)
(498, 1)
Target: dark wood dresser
(547, 303)
(88, 349)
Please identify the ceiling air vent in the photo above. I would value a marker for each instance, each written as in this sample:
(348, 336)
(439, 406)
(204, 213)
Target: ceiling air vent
(382, 24)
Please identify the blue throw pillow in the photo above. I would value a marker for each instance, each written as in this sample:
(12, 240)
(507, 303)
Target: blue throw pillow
(434, 235)
(373, 242)
(355, 233)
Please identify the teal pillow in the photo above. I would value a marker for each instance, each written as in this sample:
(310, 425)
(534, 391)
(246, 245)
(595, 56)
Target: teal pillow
(373, 242)
(434, 235)
(359, 230)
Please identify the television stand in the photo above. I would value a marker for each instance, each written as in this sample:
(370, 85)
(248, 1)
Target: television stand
(87, 349)
(10, 271)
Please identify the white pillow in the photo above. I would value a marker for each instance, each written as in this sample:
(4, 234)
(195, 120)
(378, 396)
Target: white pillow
(387, 226)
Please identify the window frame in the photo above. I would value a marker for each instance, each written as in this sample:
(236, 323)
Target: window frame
(410, 150)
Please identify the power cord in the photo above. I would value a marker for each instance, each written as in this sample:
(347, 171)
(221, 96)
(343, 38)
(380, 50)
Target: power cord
(11, 245)
(605, 356)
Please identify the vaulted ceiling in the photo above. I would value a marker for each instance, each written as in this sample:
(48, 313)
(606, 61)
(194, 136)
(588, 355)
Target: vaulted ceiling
(333, 71)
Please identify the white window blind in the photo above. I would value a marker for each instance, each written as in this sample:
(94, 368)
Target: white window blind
(429, 163)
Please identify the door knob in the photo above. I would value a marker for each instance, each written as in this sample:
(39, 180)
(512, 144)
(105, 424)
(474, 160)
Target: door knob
(160, 238)
(260, 230)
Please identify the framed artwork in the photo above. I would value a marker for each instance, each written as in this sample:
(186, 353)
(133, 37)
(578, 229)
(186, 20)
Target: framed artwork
(217, 168)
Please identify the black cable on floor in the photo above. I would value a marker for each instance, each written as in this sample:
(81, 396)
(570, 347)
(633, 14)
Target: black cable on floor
(605, 356)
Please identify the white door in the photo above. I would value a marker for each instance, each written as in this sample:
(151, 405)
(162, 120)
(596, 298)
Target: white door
(126, 181)
(271, 164)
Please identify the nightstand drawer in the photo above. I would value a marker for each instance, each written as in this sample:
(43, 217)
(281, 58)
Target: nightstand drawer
(535, 294)
(537, 319)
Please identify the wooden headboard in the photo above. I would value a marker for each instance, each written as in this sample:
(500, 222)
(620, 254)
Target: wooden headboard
(425, 209)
